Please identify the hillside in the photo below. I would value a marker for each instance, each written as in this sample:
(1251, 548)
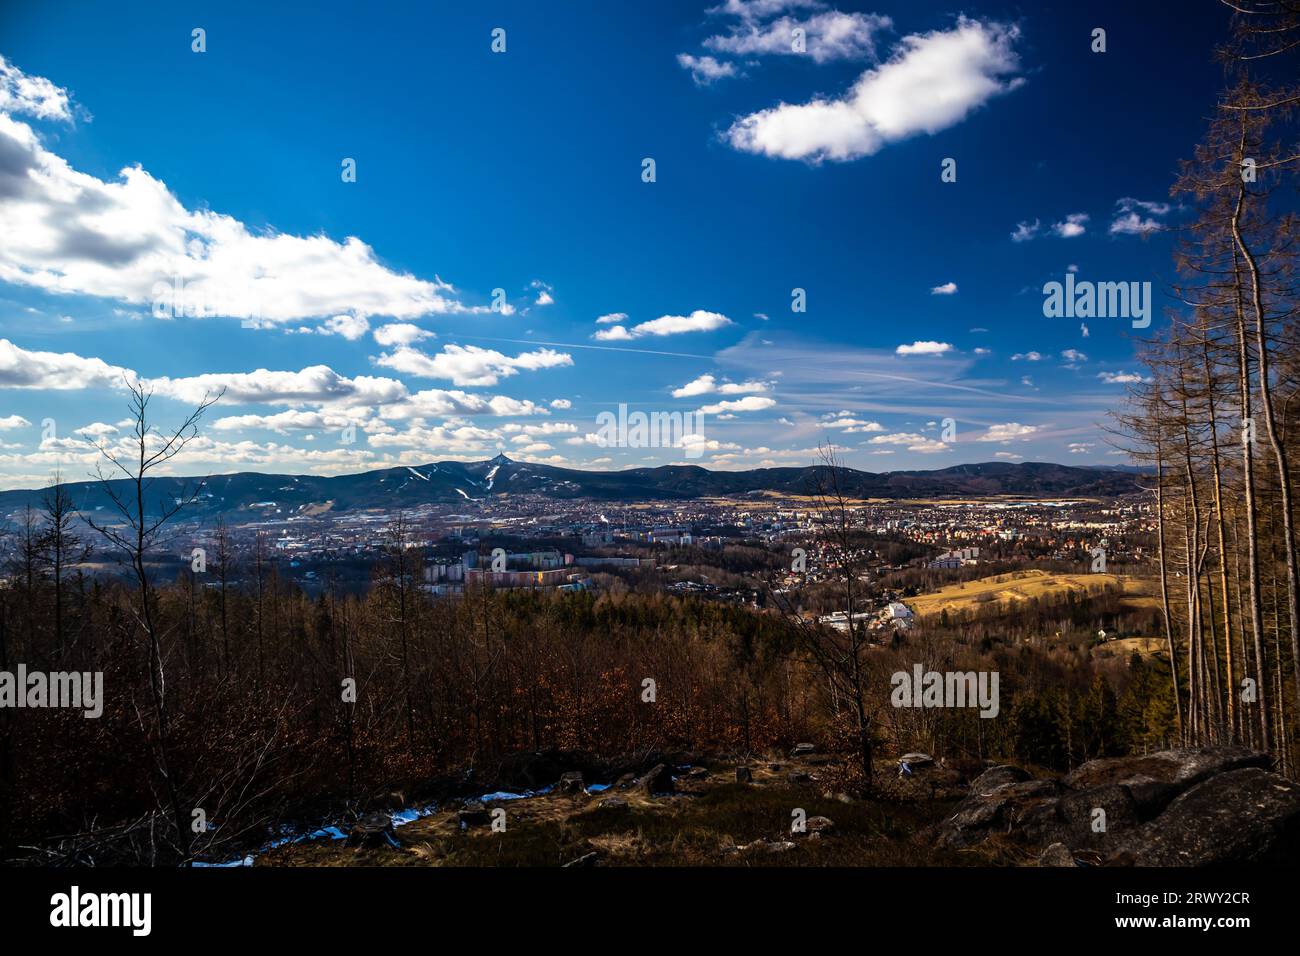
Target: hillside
(454, 481)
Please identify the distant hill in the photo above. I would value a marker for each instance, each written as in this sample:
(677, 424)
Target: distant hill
(249, 493)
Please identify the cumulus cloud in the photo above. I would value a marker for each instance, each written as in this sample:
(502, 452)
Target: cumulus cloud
(705, 70)
(400, 333)
(561, 403)
(21, 368)
(697, 321)
(948, 288)
(1073, 225)
(131, 240)
(468, 364)
(931, 82)
(707, 384)
(1121, 378)
(351, 327)
(912, 441)
(1011, 431)
(612, 318)
(1025, 231)
(1129, 220)
(14, 421)
(750, 403)
(31, 95)
(924, 348)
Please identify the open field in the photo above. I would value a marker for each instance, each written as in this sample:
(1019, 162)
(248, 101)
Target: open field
(1025, 585)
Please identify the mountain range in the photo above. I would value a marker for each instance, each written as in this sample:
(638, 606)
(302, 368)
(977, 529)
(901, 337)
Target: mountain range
(252, 494)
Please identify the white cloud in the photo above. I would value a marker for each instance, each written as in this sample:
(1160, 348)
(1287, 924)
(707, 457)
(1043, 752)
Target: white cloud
(1073, 225)
(351, 327)
(1121, 378)
(1025, 231)
(697, 321)
(707, 384)
(1008, 455)
(924, 348)
(1008, 432)
(468, 364)
(133, 241)
(400, 333)
(1129, 221)
(931, 82)
(750, 403)
(1074, 356)
(913, 442)
(613, 318)
(705, 70)
(563, 404)
(1080, 447)
(20, 368)
(829, 35)
(1027, 356)
(948, 288)
(31, 95)
(13, 421)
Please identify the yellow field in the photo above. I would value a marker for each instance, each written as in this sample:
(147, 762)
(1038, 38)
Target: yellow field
(1023, 585)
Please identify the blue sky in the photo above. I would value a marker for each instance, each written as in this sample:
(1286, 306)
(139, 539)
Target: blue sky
(131, 164)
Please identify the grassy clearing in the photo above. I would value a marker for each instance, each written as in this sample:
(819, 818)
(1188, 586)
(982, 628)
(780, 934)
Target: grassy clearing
(702, 827)
(1025, 585)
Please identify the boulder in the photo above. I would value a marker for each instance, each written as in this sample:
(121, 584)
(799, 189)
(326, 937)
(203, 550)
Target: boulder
(571, 783)
(1001, 810)
(1182, 768)
(698, 773)
(995, 777)
(1246, 815)
(915, 760)
(1058, 854)
(802, 750)
(818, 825)
(658, 780)
(612, 803)
(744, 775)
(373, 829)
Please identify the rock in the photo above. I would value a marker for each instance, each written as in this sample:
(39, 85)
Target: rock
(1058, 854)
(802, 750)
(915, 760)
(373, 829)
(778, 846)
(744, 775)
(1000, 810)
(819, 825)
(799, 776)
(625, 781)
(571, 782)
(698, 773)
(1184, 767)
(472, 814)
(1247, 815)
(611, 803)
(995, 777)
(658, 780)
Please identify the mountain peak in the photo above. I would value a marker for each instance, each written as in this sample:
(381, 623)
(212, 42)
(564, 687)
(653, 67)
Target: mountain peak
(500, 459)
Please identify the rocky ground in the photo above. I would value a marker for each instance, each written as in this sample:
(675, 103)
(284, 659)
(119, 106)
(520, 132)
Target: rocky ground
(1181, 807)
